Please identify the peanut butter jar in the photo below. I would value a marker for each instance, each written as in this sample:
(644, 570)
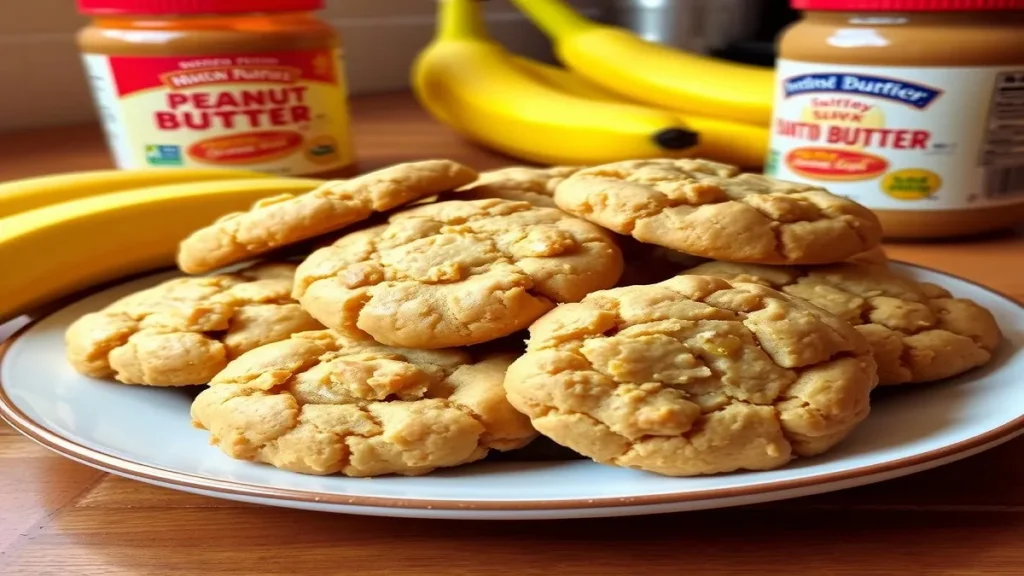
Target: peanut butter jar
(914, 108)
(254, 84)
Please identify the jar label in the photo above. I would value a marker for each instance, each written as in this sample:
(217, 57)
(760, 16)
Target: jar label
(282, 112)
(900, 138)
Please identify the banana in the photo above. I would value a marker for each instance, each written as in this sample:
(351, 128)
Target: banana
(54, 251)
(28, 193)
(653, 73)
(469, 82)
(564, 80)
(737, 143)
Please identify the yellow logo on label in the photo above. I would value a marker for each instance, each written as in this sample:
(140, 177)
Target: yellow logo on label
(911, 184)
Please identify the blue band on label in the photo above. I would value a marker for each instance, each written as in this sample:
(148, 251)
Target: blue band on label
(916, 95)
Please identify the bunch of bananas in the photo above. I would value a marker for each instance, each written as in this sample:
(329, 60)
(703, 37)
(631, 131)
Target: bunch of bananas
(620, 98)
(61, 233)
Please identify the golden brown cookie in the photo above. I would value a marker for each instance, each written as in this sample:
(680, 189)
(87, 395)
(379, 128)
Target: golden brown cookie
(918, 331)
(455, 273)
(321, 403)
(693, 376)
(520, 183)
(185, 330)
(279, 221)
(711, 210)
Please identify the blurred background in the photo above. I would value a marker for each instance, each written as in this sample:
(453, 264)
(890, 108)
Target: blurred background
(381, 39)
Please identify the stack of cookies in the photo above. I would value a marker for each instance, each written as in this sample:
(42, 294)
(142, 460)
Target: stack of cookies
(683, 319)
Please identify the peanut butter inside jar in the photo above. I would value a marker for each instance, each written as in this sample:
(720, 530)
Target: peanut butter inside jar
(913, 96)
(256, 85)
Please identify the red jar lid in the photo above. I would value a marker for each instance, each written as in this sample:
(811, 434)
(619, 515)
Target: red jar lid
(126, 7)
(907, 5)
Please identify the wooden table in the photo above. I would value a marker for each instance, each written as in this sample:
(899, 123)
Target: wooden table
(59, 517)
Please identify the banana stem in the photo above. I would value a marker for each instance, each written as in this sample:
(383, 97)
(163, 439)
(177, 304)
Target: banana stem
(556, 18)
(460, 20)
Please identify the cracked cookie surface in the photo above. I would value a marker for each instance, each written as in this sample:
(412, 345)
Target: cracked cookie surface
(321, 403)
(693, 376)
(455, 273)
(520, 183)
(278, 221)
(919, 332)
(185, 330)
(711, 210)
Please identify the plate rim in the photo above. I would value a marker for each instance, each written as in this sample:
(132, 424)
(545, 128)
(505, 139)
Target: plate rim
(69, 448)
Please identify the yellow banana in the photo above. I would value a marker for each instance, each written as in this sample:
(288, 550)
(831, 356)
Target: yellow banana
(653, 73)
(737, 143)
(468, 82)
(54, 251)
(28, 193)
(562, 79)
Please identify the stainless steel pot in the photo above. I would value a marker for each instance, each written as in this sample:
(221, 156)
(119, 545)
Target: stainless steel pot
(696, 25)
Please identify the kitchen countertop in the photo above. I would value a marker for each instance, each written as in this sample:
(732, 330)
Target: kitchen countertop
(60, 517)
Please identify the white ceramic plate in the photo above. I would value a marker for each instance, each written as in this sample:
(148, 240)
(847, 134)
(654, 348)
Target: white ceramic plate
(144, 433)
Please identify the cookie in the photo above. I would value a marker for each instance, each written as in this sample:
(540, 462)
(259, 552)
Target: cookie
(275, 222)
(520, 183)
(693, 376)
(455, 273)
(185, 330)
(712, 211)
(321, 403)
(918, 331)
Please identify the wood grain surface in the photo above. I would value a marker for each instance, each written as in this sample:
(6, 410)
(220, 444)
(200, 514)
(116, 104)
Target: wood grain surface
(59, 517)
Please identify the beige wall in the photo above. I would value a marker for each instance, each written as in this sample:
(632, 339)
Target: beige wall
(38, 53)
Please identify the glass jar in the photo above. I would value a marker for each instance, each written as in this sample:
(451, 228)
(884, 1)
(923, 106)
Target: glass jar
(258, 85)
(914, 108)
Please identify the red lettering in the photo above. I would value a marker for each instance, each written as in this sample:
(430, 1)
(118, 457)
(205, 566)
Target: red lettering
(804, 130)
(248, 109)
(835, 134)
(300, 114)
(226, 117)
(225, 99)
(175, 99)
(254, 98)
(196, 120)
(277, 117)
(254, 117)
(883, 136)
(878, 137)
(167, 121)
(278, 96)
(840, 115)
(300, 93)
